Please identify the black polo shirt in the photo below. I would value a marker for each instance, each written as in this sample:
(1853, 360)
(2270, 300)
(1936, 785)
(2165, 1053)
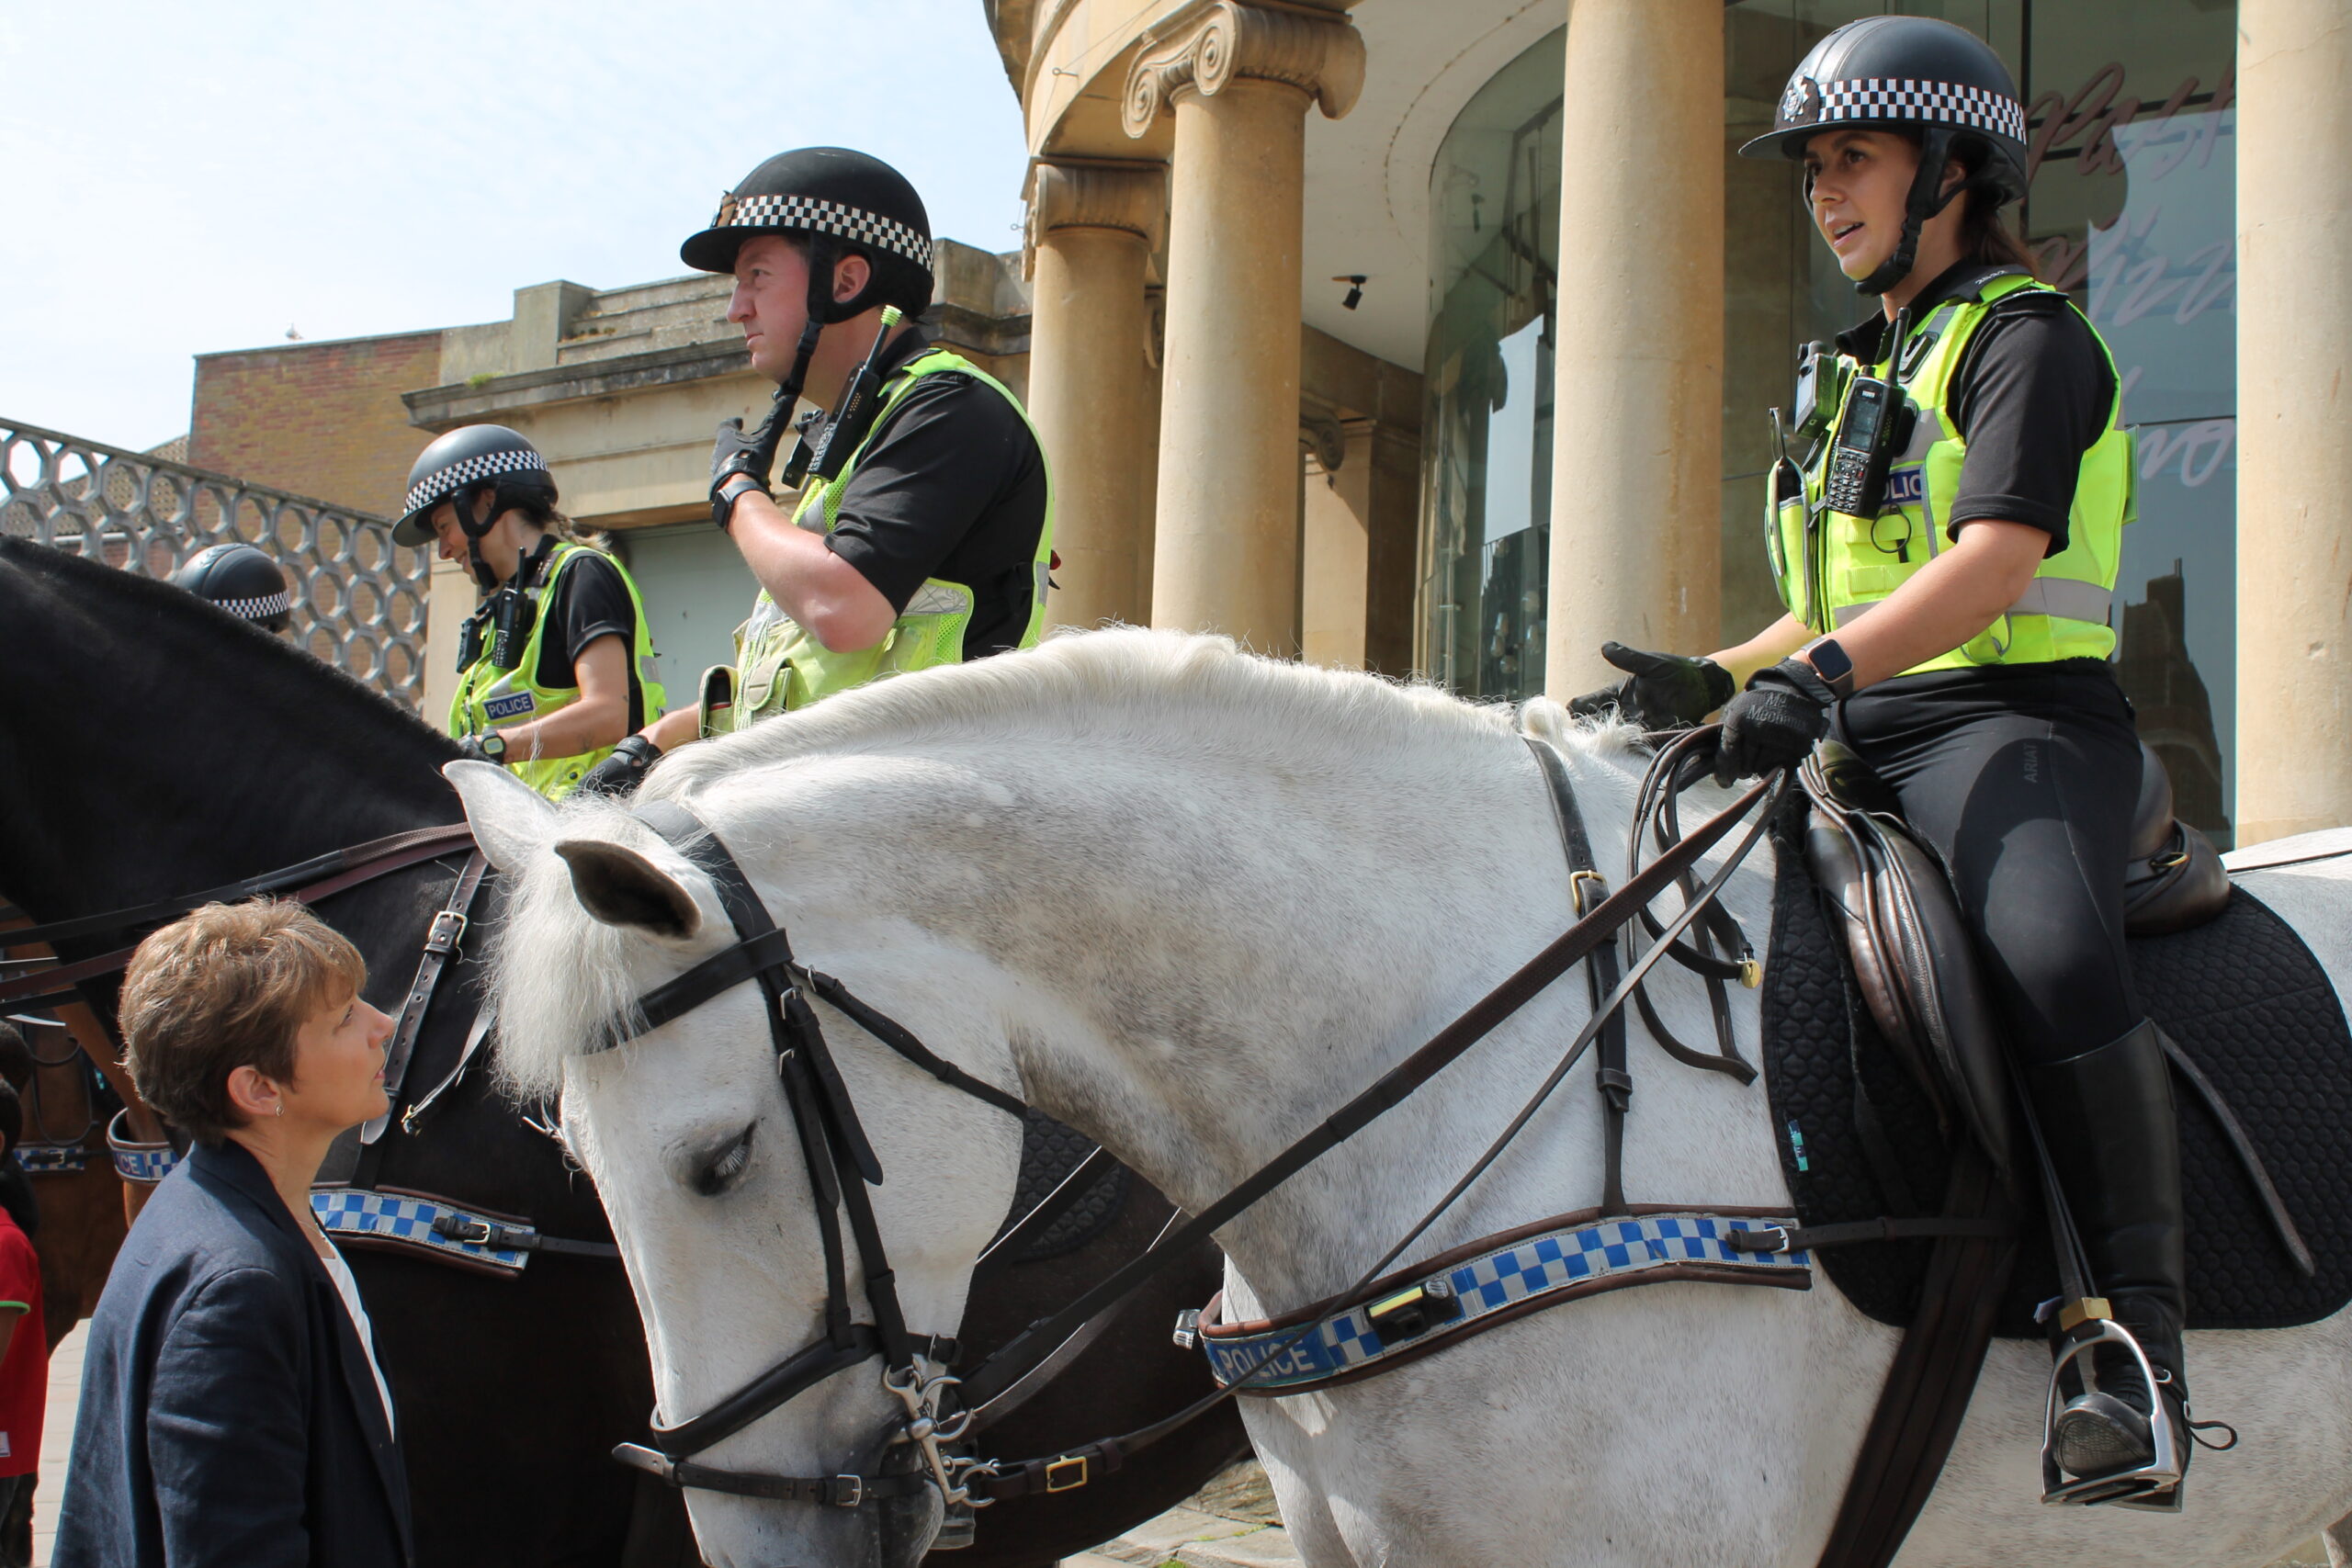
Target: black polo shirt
(2031, 396)
(952, 486)
(588, 602)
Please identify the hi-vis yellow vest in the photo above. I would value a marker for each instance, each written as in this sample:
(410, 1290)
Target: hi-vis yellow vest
(779, 664)
(489, 698)
(1832, 566)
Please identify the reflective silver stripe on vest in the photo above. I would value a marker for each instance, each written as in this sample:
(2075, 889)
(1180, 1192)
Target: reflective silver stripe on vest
(2064, 597)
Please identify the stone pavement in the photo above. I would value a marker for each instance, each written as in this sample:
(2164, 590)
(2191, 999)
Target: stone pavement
(1231, 1523)
(56, 1438)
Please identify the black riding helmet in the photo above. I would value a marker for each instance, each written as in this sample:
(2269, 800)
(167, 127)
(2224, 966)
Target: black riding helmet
(460, 466)
(242, 581)
(1908, 74)
(838, 203)
(850, 203)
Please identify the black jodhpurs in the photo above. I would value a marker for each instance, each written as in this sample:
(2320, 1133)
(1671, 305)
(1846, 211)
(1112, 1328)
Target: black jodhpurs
(2024, 780)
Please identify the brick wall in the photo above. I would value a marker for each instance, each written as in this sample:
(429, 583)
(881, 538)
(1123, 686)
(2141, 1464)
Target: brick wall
(319, 418)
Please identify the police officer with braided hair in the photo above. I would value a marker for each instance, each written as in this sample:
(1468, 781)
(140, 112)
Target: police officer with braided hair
(1947, 551)
(240, 579)
(921, 531)
(556, 664)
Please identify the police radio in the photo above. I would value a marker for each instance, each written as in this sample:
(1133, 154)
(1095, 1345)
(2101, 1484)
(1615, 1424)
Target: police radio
(828, 454)
(1873, 423)
(512, 613)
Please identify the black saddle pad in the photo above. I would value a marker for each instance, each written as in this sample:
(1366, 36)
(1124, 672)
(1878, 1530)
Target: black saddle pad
(1049, 1152)
(2242, 994)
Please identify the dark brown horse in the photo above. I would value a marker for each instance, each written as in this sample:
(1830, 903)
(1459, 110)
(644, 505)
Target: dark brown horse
(151, 745)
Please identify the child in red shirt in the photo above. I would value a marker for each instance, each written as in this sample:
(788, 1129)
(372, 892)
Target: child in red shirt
(24, 1337)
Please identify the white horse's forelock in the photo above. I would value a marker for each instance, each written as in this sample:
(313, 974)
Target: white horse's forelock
(560, 974)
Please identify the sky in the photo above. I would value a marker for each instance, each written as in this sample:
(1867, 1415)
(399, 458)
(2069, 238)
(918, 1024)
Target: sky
(187, 178)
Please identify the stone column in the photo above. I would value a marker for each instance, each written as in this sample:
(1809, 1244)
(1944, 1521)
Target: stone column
(1093, 228)
(1238, 79)
(1638, 444)
(2294, 554)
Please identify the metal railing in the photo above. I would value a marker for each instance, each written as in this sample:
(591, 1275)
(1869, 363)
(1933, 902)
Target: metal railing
(358, 599)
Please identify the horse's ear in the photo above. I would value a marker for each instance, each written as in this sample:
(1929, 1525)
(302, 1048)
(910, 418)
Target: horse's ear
(509, 817)
(621, 887)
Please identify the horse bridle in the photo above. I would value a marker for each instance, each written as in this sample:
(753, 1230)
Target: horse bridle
(939, 1409)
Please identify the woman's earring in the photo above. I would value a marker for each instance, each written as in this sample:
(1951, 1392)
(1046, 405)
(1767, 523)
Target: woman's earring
(281, 1109)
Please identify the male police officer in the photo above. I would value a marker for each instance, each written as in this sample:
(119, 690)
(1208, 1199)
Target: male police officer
(923, 530)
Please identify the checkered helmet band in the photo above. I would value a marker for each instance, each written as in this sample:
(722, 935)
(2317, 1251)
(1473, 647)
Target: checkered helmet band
(822, 217)
(1883, 99)
(256, 609)
(443, 483)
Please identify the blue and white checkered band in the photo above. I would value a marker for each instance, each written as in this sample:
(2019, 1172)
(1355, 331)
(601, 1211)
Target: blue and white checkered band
(1595, 1256)
(823, 217)
(1885, 99)
(425, 1224)
(144, 1163)
(52, 1159)
(442, 482)
(256, 609)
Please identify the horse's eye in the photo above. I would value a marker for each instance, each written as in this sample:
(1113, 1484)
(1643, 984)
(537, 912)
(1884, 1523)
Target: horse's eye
(724, 1169)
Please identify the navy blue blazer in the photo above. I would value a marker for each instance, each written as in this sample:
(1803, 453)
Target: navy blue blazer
(228, 1418)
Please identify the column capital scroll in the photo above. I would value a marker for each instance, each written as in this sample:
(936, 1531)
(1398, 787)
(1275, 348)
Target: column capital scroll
(1318, 52)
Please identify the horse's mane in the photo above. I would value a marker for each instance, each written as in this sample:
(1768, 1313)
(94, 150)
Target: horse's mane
(127, 595)
(1107, 685)
(561, 973)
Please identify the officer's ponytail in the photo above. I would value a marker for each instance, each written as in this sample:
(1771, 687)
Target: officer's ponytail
(534, 495)
(1987, 236)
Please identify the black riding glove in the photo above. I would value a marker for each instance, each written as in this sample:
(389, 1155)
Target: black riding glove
(1664, 691)
(1774, 723)
(749, 454)
(619, 775)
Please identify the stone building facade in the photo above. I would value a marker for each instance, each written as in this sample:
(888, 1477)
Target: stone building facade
(1539, 209)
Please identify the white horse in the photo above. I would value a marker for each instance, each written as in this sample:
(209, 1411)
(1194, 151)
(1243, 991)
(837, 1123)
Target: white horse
(1190, 901)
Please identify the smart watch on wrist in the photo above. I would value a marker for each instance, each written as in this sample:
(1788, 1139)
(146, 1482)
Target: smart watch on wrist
(1830, 662)
(723, 498)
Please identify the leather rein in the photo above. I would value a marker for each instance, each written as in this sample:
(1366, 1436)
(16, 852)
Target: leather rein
(941, 1409)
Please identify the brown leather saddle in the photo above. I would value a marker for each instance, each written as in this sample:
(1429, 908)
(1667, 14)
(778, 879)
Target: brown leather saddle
(1913, 960)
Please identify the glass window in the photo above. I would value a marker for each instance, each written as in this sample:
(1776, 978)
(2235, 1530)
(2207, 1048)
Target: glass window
(1487, 499)
(2132, 210)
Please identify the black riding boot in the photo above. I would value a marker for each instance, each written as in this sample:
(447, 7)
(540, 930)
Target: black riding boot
(2107, 1117)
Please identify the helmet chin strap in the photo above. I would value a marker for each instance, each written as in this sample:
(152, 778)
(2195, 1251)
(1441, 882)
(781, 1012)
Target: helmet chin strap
(1927, 198)
(463, 503)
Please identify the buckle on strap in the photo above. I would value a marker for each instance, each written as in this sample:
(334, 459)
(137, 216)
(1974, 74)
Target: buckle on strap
(1763, 1238)
(846, 1491)
(1067, 1474)
(447, 930)
(1586, 890)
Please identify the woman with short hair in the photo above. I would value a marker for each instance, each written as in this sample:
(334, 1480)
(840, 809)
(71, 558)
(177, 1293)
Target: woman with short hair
(233, 1409)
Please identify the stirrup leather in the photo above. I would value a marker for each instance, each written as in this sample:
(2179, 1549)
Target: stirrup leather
(2153, 1486)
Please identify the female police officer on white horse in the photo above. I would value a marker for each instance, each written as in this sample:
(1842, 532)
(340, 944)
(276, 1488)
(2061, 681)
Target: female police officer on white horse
(1946, 555)
(557, 665)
